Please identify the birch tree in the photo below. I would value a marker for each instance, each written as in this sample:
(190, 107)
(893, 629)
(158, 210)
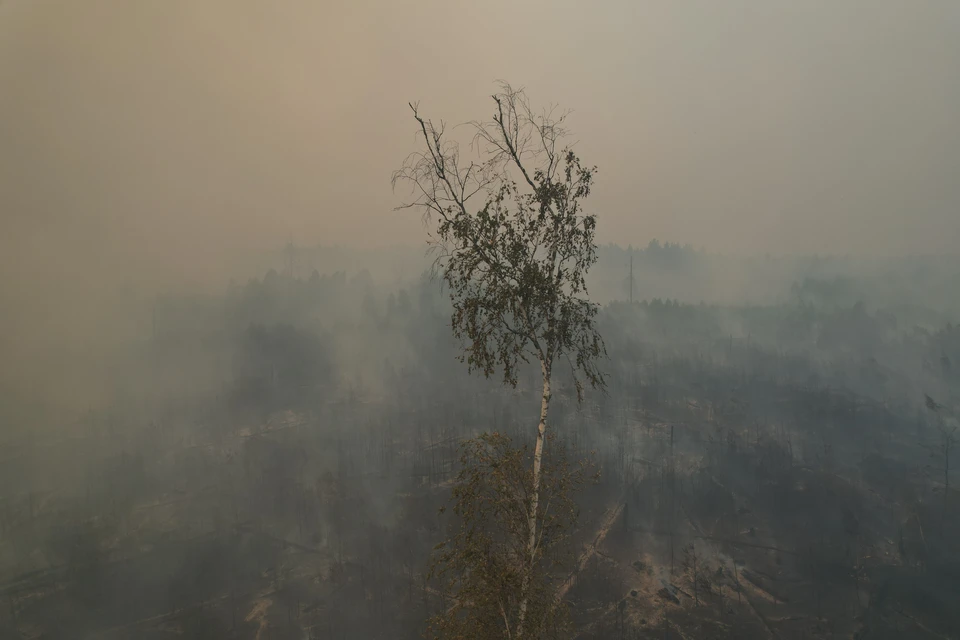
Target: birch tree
(513, 246)
(480, 568)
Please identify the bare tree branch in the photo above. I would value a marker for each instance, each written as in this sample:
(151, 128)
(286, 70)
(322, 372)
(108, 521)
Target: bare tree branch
(514, 258)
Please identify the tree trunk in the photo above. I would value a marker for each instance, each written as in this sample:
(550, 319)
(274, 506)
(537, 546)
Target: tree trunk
(535, 498)
(946, 481)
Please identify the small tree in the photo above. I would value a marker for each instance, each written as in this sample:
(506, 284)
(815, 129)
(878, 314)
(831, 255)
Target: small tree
(482, 567)
(947, 430)
(692, 564)
(514, 254)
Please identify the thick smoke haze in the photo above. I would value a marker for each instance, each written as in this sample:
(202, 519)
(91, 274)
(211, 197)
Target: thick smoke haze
(168, 144)
(179, 136)
(230, 400)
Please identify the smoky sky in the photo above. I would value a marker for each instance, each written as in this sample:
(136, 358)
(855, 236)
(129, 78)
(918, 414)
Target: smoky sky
(168, 138)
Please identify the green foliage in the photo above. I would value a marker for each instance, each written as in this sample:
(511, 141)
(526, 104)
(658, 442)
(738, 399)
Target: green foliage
(515, 265)
(515, 269)
(481, 567)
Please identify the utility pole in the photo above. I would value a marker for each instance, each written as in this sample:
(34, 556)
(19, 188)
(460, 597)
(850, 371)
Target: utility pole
(290, 251)
(631, 277)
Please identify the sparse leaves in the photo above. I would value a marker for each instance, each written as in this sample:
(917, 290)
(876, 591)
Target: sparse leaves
(513, 253)
(481, 568)
(513, 246)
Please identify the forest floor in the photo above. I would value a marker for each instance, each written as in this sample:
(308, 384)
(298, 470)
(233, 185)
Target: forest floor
(759, 574)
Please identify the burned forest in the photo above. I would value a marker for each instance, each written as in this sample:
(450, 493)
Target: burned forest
(274, 461)
(315, 327)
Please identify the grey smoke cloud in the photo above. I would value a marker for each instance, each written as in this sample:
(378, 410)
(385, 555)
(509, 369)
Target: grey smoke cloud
(166, 139)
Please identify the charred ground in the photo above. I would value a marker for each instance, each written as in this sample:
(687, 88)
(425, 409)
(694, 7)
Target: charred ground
(767, 470)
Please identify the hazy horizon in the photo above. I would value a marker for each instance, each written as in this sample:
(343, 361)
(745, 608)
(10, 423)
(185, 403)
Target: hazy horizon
(173, 145)
(208, 435)
(179, 135)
